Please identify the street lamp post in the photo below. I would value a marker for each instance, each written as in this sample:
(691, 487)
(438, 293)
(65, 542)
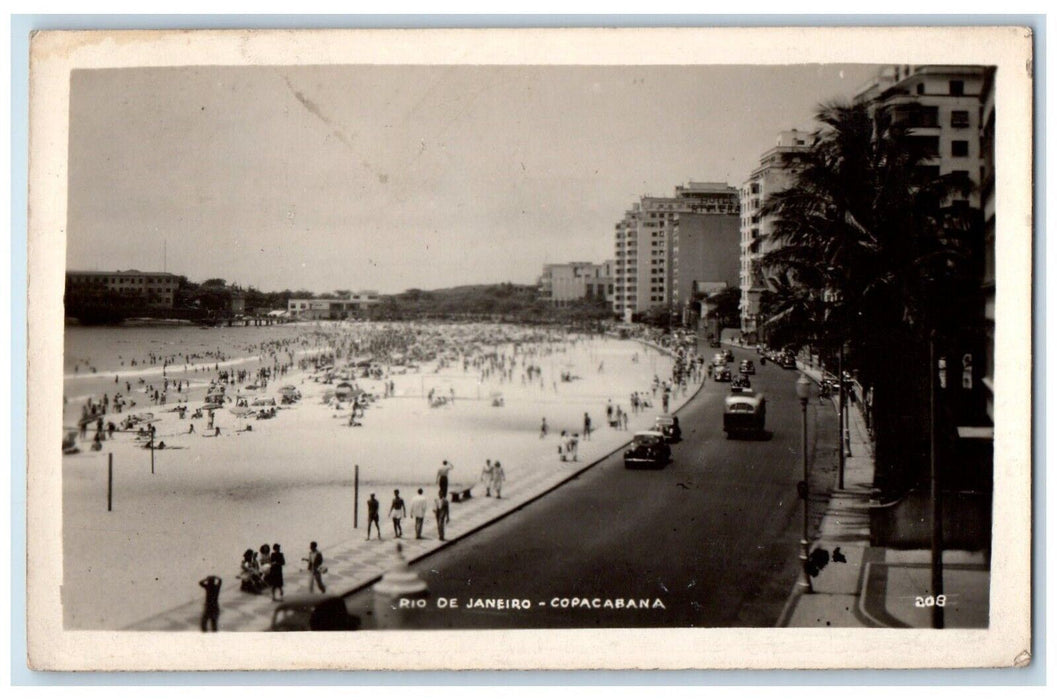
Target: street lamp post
(803, 391)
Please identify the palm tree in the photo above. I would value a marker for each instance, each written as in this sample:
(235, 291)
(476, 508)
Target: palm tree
(868, 250)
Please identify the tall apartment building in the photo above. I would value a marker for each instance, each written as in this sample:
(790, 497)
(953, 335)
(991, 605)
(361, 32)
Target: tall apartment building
(562, 283)
(942, 106)
(773, 174)
(154, 288)
(650, 270)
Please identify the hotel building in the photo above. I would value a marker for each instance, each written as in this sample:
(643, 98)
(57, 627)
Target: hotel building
(652, 270)
(156, 289)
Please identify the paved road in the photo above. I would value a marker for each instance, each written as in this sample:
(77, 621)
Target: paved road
(713, 537)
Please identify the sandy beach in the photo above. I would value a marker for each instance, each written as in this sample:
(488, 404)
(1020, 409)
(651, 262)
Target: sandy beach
(289, 479)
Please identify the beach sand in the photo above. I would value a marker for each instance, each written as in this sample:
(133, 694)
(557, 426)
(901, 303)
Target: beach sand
(290, 480)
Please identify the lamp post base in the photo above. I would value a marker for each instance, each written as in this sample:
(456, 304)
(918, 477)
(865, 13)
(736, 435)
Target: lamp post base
(805, 579)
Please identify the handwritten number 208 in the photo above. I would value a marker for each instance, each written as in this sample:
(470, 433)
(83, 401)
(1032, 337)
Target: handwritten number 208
(928, 601)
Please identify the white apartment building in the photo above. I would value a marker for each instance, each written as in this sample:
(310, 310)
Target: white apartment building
(332, 309)
(942, 106)
(773, 174)
(563, 283)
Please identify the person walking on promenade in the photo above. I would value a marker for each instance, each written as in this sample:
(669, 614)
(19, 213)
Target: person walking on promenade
(574, 443)
(543, 428)
(440, 510)
(211, 611)
(498, 477)
(372, 517)
(624, 419)
(609, 412)
(397, 513)
(418, 512)
(442, 477)
(315, 568)
(486, 477)
(587, 426)
(275, 573)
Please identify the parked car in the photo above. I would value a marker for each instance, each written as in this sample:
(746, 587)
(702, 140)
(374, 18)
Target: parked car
(668, 426)
(648, 449)
(744, 413)
(721, 373)
(747, 367)
(313, 613)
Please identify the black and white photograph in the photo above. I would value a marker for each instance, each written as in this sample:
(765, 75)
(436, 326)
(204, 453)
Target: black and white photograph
(639, 348)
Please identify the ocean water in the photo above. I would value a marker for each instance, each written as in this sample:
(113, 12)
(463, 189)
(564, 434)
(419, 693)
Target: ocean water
(110, 349)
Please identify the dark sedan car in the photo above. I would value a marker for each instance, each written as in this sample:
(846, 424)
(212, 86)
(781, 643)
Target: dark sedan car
(747, 367)
(721, 373)
(668, 426)
(313, 613)
(649, 449)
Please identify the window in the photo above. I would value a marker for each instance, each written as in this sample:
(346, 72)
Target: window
(957, 88)
(959, 149)
(960, 119)
(921, 88)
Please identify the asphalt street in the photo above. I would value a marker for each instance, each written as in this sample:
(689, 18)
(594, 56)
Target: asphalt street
(710, 541)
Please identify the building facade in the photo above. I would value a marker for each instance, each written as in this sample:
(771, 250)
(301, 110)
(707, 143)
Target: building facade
(156, 289)
(775, 173)
(650, 271)
(562, 284)
(942, 107)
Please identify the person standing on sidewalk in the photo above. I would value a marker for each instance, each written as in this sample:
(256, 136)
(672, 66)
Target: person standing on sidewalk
(397, 513)
(498, 477)
(211, 611)
(418, 512)
(372, 517)
(275, 573)
(315, 568)
(587, 426)
(440, 510)
(543, 428)
(442, 476)
(486, 477)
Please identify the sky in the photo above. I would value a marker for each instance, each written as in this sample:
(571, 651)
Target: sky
(398, 177)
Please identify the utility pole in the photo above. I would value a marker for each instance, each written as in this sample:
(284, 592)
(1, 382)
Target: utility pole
(936, 494)
(840, 415)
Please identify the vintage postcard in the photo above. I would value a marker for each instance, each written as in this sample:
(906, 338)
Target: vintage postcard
(530, 349)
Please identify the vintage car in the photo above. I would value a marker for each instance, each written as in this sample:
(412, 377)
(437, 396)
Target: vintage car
(668, 426)
(313, 613)
(740, 383)
(729, 355)
(721, 373)
(787, 361)
(746, 367)
(649, 449)
(744, 413)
